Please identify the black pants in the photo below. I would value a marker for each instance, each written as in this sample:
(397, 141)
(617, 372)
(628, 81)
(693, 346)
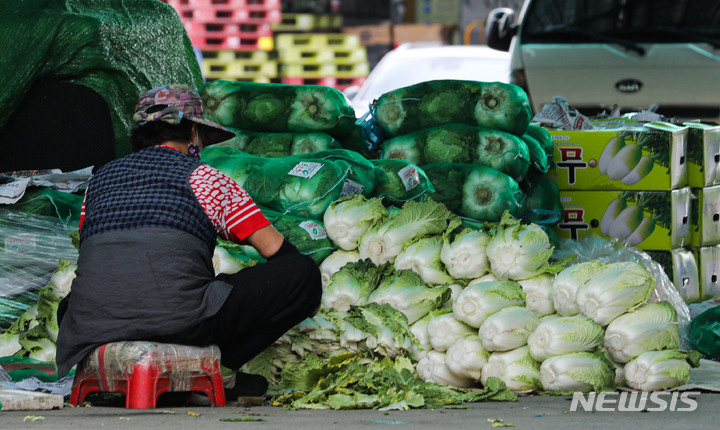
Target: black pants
(266, 301)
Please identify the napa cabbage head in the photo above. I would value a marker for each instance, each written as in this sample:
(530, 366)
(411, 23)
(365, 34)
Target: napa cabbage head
(415, 220)
(334, 262)
(478, 301)
(516, 368)
(448, 143)
(425, 364)
(310, 196)
(650, 327)
(578, 371)
(508, 328)
(444, 330)
(567, 282)
(619, 288)
(406, 291)
(463, 253)
(518, 251)
(563, 335)
(421, 346)
(62, 277)
(388, 332)
(455, 289)
(538, 294)
(224, 262)
(9, 343)
(467, 357)
(352, 284)
(348, 218)
(423, 258)
(659, 370)
(484, 278)
(442, 374)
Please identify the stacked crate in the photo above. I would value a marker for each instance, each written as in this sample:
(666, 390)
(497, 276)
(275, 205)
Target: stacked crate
(628, 181)
(704, 178)
(330, 59)
(308, 22)
(234, 36)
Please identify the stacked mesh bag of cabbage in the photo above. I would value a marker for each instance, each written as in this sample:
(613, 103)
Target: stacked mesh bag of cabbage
(476, 143)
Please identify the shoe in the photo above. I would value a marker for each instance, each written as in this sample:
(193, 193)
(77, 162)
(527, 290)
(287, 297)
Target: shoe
(249, 390)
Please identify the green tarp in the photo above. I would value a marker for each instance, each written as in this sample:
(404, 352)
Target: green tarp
(119, 48)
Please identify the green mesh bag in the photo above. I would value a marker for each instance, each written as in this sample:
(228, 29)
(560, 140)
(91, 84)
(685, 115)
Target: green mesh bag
(298, 185)
(357, 141)
(399, 181)
(543, 203)
(308, 235)
(476, 192)
(119, 48)
(361, 176)
(265, 144)
(428, 104)
(277, 107)
(462, 143)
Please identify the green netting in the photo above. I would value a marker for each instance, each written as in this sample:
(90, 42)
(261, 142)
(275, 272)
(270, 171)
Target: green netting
(119, 48)
(300, 185)
(462, 143)
(309, 236)
(398, 181)
(477, 192)
(278, 107)
(264, 144)
(494, 105)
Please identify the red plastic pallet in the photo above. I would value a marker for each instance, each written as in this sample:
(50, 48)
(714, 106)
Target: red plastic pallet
(228, 30)
(224, 3)
(231, 36)
(229, 16)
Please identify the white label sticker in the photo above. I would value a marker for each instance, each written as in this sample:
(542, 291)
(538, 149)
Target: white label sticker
(315, 230)
(409, 177)
(305, 169)
(351, 188)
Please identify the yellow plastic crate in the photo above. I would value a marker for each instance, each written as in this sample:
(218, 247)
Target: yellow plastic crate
(228, 56)
(324, 70)
(308, 22)
(337, 56)
(316, 41)
(240, 68)
(221, 77)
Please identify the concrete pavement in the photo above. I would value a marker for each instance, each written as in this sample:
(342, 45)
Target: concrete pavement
(530, 412)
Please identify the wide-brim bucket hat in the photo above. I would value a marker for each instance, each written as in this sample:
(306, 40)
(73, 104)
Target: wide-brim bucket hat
(172, 103)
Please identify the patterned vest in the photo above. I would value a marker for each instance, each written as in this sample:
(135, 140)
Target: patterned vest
(147, 189)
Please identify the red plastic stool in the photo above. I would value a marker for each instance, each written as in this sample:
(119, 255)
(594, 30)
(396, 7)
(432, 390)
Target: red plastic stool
(144, 370)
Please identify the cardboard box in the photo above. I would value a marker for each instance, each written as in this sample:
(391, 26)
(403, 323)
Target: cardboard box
(682, 269)
(405, 33)
(708, 260)
(648, 156)
(705, 216)
(703, 155)
(372, 34)
(648, 220)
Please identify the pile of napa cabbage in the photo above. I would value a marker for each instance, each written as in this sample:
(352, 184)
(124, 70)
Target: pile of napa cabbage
(468, 307)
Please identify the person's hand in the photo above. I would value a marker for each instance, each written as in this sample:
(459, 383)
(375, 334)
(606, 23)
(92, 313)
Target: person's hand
(267, 241)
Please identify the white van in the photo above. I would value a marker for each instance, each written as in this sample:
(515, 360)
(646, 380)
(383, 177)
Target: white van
(632, 54)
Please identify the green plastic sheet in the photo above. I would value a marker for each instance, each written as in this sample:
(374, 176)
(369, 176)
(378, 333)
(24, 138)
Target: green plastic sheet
(119, 48)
